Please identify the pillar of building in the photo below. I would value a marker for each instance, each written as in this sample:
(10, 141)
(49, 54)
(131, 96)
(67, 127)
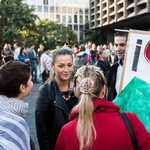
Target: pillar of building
(110, 36)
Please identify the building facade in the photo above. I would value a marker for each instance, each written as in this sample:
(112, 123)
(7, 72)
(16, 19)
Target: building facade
(123, 14)
(73, 13)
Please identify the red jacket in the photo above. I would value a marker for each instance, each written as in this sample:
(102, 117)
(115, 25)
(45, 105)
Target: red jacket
(111, 131)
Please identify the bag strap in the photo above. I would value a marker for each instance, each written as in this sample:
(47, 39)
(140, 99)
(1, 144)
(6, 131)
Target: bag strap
(130, 130)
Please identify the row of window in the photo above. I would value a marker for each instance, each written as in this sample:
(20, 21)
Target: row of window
(76, 27)
(46, 2)
(58, 9)
(71, 19)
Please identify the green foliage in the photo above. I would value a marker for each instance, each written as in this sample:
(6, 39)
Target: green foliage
(95, 36)
(49, 33)
(15, 17)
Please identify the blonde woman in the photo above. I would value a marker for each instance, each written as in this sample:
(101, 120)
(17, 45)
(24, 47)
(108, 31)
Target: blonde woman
(95, 124)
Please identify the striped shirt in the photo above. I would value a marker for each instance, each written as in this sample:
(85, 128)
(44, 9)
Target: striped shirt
(14, 132)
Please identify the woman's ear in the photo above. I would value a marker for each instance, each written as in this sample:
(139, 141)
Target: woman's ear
(102, 92)
(52, 66)
(22, 88)
(76, 93)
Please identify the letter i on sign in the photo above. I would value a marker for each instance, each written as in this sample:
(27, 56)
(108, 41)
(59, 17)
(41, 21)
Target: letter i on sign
(136, 55)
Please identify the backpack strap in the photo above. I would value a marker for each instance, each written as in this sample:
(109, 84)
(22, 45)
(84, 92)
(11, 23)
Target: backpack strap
(130, 130)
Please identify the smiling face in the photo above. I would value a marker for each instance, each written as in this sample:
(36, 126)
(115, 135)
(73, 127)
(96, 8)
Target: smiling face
(63, 67)
(120, 43)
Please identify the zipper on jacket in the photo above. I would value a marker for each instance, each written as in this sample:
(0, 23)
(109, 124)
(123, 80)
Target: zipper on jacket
(62, 109)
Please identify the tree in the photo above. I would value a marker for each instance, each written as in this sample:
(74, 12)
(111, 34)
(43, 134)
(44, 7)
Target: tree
(49, 33)
(95, 36)
(15, 16)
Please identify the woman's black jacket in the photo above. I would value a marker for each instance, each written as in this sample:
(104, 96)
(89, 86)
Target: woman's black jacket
(51, 113)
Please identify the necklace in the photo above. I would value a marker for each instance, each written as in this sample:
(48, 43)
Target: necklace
(66, 98)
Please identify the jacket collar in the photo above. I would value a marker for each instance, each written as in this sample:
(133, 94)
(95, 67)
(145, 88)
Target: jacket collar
(59, 101)
(100, 105)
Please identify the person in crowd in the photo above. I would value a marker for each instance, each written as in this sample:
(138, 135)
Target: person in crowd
(89, 44)
(93, 52)
(108, 54)
(23, 56)
(82, 58)
(45, 64)
(12, 56)
(87, 50)
(33, 60)
(16, 51)
(55, 100)
(102, 63)
(95, 124)
(15, 79)
(76, 50)
(98, 48)
(114, 76)
(6, 53)
(40, 52)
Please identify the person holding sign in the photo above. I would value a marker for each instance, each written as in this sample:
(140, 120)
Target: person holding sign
(114, 76)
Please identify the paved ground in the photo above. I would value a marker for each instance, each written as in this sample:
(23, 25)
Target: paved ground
(30, 115)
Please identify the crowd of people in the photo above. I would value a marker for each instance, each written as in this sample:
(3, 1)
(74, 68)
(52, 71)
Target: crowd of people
(72, 109)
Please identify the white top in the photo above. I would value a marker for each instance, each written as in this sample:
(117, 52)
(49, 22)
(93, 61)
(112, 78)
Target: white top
(16, 53)
(47, 60)
(87, 51)
(118, 77)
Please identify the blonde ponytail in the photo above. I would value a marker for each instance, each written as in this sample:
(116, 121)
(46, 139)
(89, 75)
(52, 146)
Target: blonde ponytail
(85, 125)
(51, 76)
(88, 82)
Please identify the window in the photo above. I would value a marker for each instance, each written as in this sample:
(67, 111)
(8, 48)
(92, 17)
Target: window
(70, 25)
(58, 9)
(81, 18)
(45, 2)
(58, 18)
(51, 17)
(51, 2)
(69, 19)
(69, 10)
(51, 8)
(45, 15)
(63, 9)
(81, 27)
(39, 8)
(86, 11)
(75, 27)
(75, 10)
(81, 35)
(45, 8)
(81, 10)
(86, 19)
(33, 6)
(75, 19)
(63, 19)
(33, 2)
(75, 1)
(39, 2)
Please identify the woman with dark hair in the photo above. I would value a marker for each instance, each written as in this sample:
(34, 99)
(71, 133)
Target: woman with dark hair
(102, 63)
(6, 53)
(15, 84)
(55, 100)
(23, 55)
(93, 52)
(95, 124)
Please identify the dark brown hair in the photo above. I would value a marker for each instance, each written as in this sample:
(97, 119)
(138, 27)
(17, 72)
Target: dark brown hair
(12, 75)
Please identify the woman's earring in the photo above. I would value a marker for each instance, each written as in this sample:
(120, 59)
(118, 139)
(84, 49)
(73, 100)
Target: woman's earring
(23, 91)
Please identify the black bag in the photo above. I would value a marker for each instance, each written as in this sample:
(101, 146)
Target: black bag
(130, 130)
